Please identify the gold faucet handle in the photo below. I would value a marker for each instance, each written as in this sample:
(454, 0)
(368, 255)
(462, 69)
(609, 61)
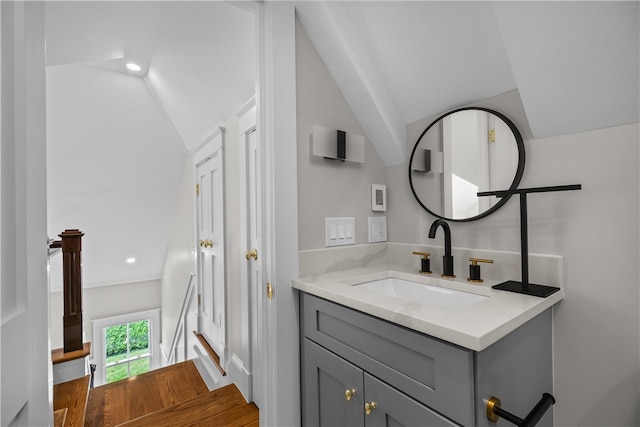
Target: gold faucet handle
(475, 261)
(425, 262)
(474, 269)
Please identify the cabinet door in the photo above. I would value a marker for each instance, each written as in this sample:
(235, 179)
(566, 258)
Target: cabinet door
(326, 379)
(394, 408)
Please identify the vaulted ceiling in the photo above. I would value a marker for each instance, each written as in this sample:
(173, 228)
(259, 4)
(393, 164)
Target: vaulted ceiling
(575, 64)
(117, 140)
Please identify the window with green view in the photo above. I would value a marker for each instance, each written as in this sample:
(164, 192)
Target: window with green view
(127, 350)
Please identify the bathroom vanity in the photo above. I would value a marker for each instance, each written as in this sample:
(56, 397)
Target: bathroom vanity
(371, 358)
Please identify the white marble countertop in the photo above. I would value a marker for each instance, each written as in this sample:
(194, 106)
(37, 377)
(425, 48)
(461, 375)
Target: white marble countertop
(475, 326)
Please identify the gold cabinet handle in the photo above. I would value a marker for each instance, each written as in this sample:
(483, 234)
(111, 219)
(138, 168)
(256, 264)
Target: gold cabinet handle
(252, 254)
(368, 407)
(349, 393)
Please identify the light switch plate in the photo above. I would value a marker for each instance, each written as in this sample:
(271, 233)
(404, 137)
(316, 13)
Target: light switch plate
(340, 231)
(377, 229)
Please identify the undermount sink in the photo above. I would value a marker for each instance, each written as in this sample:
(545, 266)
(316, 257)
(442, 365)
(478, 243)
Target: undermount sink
(421, 293)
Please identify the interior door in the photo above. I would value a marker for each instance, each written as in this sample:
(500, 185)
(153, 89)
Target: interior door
(211, 277)
(253, 293)
(25, 360)
(254, 277)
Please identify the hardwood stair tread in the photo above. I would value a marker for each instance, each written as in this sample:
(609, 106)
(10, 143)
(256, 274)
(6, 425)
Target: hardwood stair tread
(59, 417)
(211, 352)
(224, 406)
(122, 401)
(72, 396)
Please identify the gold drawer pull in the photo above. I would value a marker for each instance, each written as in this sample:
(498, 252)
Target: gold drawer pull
(349, 393)
(368, 407)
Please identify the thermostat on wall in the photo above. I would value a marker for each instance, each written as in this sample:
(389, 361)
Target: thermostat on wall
(378, 197)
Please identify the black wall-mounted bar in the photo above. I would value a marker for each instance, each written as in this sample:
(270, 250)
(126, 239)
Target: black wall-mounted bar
(341, 152)
(494, 411)
(524, 287)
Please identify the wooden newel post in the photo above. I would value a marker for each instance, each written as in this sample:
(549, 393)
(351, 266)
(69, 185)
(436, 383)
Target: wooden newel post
(72, 273)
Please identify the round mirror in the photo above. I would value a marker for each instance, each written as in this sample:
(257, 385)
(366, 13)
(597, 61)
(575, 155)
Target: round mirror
(462, 153)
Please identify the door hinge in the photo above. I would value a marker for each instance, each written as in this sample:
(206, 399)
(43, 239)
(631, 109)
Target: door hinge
(269, 290)
(199, 299)
(197, 189)
(492, 135)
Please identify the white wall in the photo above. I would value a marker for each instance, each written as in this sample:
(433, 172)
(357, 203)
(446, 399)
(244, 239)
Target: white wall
(596, 326)
(104, 301)
(596, 230)
(114, 166)
(329, 188)
(179, 261)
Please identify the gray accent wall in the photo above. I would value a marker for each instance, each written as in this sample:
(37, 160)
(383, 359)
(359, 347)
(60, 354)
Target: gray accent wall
(596, 231)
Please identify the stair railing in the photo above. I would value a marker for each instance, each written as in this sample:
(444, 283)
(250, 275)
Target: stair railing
(180, 332)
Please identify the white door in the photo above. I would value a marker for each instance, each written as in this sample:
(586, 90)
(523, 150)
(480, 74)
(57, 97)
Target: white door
(253, 292)
(211, 277)
(25, 360)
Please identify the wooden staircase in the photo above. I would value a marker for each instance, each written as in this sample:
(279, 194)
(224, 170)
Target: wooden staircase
(172, 396)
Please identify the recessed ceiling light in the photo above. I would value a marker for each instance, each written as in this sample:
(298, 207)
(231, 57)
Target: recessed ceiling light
(131, 260)
(133, 67)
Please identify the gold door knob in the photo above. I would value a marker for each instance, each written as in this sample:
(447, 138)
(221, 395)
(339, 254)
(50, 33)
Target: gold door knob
(368, 407)
(251, 254)
(208, 243)
(349, 393)
(201, 243)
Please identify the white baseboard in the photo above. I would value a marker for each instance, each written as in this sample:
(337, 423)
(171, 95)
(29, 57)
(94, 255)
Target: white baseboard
(240, 376)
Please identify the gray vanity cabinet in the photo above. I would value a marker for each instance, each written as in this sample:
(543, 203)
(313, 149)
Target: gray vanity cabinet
(328, 377)
(436, 376)
(412, 378)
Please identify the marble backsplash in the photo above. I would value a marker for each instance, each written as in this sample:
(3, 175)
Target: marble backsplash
(543, 269)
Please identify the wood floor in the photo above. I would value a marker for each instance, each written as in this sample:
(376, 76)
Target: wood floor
(70, 402)
(171, 396)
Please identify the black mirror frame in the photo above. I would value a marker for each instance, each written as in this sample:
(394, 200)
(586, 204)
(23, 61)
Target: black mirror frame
(516, 178)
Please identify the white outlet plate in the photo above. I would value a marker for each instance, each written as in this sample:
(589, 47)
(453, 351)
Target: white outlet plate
(377, 229)
(340, 231)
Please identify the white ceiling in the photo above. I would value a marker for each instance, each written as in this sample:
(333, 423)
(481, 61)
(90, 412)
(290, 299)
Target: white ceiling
(117, 142)
(575, 64)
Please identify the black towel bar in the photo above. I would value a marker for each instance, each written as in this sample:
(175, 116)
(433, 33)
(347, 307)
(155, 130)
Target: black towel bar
(494, 411)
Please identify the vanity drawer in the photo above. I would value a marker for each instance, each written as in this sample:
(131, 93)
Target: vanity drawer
(433, 372)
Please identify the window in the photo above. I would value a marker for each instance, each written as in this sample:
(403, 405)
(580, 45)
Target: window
(127, 350)
(125, 346)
